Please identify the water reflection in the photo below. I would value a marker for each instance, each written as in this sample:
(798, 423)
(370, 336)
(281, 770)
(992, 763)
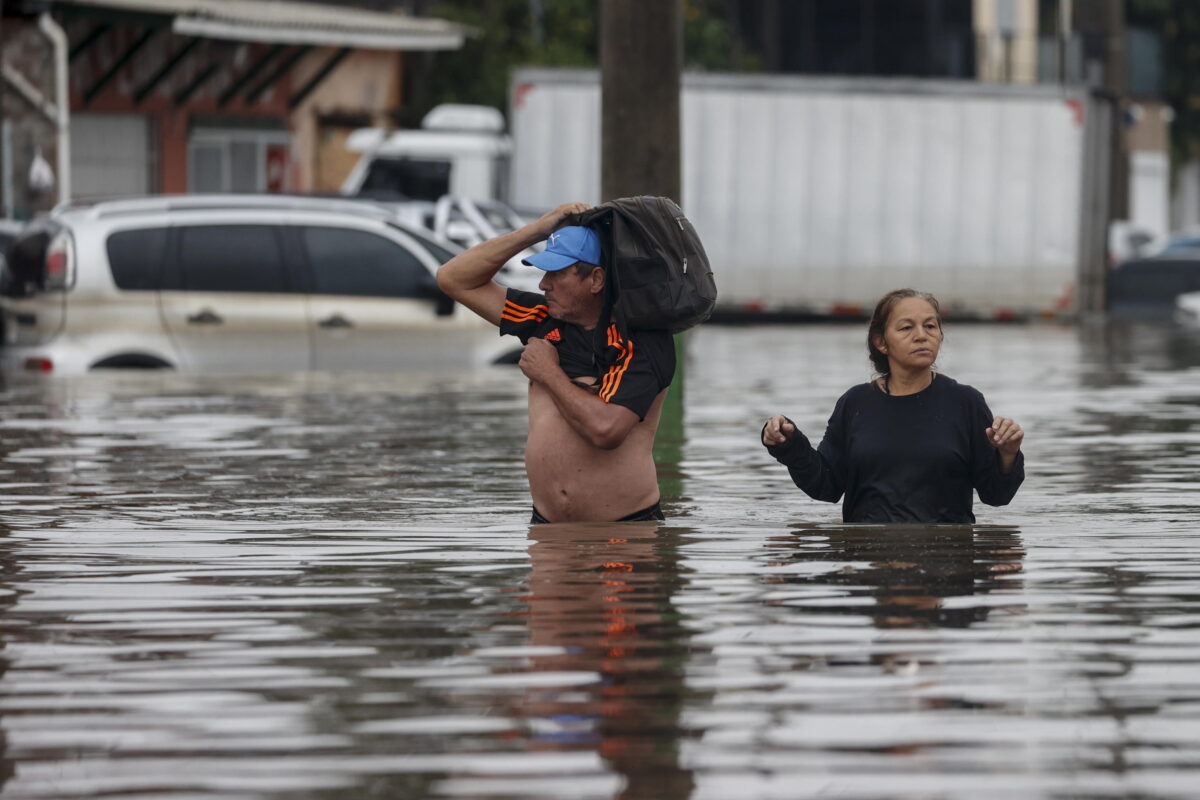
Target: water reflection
(8, 568)
(1114, 351)
(600, 602)
(907, 571)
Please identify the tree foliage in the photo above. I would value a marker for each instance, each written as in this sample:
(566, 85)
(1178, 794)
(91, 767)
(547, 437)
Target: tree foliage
(1179, 22)
(512, 33)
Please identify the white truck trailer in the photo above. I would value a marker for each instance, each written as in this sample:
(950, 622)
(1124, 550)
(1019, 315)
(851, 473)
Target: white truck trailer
(818, 195)
(814, 196)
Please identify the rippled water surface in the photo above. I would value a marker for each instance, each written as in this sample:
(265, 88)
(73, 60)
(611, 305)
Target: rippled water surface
(324, 587)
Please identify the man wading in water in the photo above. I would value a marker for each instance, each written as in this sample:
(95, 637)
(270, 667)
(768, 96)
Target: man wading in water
(595, 392)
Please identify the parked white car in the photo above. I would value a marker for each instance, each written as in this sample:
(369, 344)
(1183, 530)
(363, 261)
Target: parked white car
(239, 283)
(466, 223)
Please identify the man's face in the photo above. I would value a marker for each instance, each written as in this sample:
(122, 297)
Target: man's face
(572, 298)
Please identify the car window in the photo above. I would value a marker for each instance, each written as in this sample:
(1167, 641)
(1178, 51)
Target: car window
(363, 263)
(440, 253)
(436, 250)
(415, 178)
(1151, 281)
(1182, 244)
(232, 258)
(136, 258)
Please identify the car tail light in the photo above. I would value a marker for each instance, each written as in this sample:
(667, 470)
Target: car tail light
(39, 364)
(60, 262)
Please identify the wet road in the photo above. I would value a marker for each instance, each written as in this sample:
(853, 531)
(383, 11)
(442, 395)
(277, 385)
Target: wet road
(322, 586)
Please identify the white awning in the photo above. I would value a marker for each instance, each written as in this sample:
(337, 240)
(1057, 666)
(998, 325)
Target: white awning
(298, 23)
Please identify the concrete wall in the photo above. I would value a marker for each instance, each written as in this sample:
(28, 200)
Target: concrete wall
(1148, 142)
(363, 91)
(1006, 40)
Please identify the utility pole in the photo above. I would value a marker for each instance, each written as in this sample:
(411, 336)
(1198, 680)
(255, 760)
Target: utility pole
(641, 60)
(1117, 81)
(6, 202)
(641, 56)
(1106, 66)
(1101, 23)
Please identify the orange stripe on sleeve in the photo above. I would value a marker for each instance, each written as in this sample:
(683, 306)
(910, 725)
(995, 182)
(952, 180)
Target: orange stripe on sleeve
(540, 307)
(518, 313)
(615, 374)
(508, 315)
(604, 381)
(615, 340)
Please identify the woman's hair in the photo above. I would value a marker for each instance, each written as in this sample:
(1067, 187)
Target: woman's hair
(879, 321)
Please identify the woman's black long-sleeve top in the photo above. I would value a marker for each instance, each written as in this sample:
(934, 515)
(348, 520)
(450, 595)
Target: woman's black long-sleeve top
(904, 458)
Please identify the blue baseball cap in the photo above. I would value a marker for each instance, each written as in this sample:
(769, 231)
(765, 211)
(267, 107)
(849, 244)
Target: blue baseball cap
(565, 247)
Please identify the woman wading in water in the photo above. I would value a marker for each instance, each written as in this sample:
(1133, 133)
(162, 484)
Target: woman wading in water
(911, 445)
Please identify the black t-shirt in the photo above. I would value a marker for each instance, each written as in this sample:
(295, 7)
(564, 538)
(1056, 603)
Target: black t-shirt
(907, 458)
(630, 370)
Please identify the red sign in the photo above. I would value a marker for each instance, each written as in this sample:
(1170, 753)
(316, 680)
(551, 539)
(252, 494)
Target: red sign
(277, 161)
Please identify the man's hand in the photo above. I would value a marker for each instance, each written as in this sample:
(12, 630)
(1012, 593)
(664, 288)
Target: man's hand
(468, 277)
(603, 425)
(539, 360)
(555, 219)
(778, 430)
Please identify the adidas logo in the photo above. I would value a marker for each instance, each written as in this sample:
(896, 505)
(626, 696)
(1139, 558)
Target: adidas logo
(553, 336)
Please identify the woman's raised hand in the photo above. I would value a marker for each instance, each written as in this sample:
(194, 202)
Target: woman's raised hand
(777, 430)
(1006, 436)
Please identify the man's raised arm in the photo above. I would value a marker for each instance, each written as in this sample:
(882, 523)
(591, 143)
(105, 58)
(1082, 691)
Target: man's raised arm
(468, 276)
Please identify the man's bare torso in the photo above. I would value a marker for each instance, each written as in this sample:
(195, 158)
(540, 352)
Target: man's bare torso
(572, 480)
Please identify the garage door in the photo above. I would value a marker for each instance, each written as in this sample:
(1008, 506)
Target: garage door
(111, 155)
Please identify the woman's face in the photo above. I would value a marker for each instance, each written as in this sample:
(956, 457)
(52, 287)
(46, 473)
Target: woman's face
(912, 336)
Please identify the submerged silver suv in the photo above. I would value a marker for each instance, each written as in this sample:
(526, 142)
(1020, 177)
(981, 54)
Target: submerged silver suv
(237, 283)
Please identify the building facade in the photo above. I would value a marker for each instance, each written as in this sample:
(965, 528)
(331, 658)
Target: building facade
(196, 96)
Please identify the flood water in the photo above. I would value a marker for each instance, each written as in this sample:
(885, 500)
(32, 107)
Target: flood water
(324, 586)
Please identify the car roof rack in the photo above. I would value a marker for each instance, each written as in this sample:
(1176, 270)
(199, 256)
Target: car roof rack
(114, 207)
